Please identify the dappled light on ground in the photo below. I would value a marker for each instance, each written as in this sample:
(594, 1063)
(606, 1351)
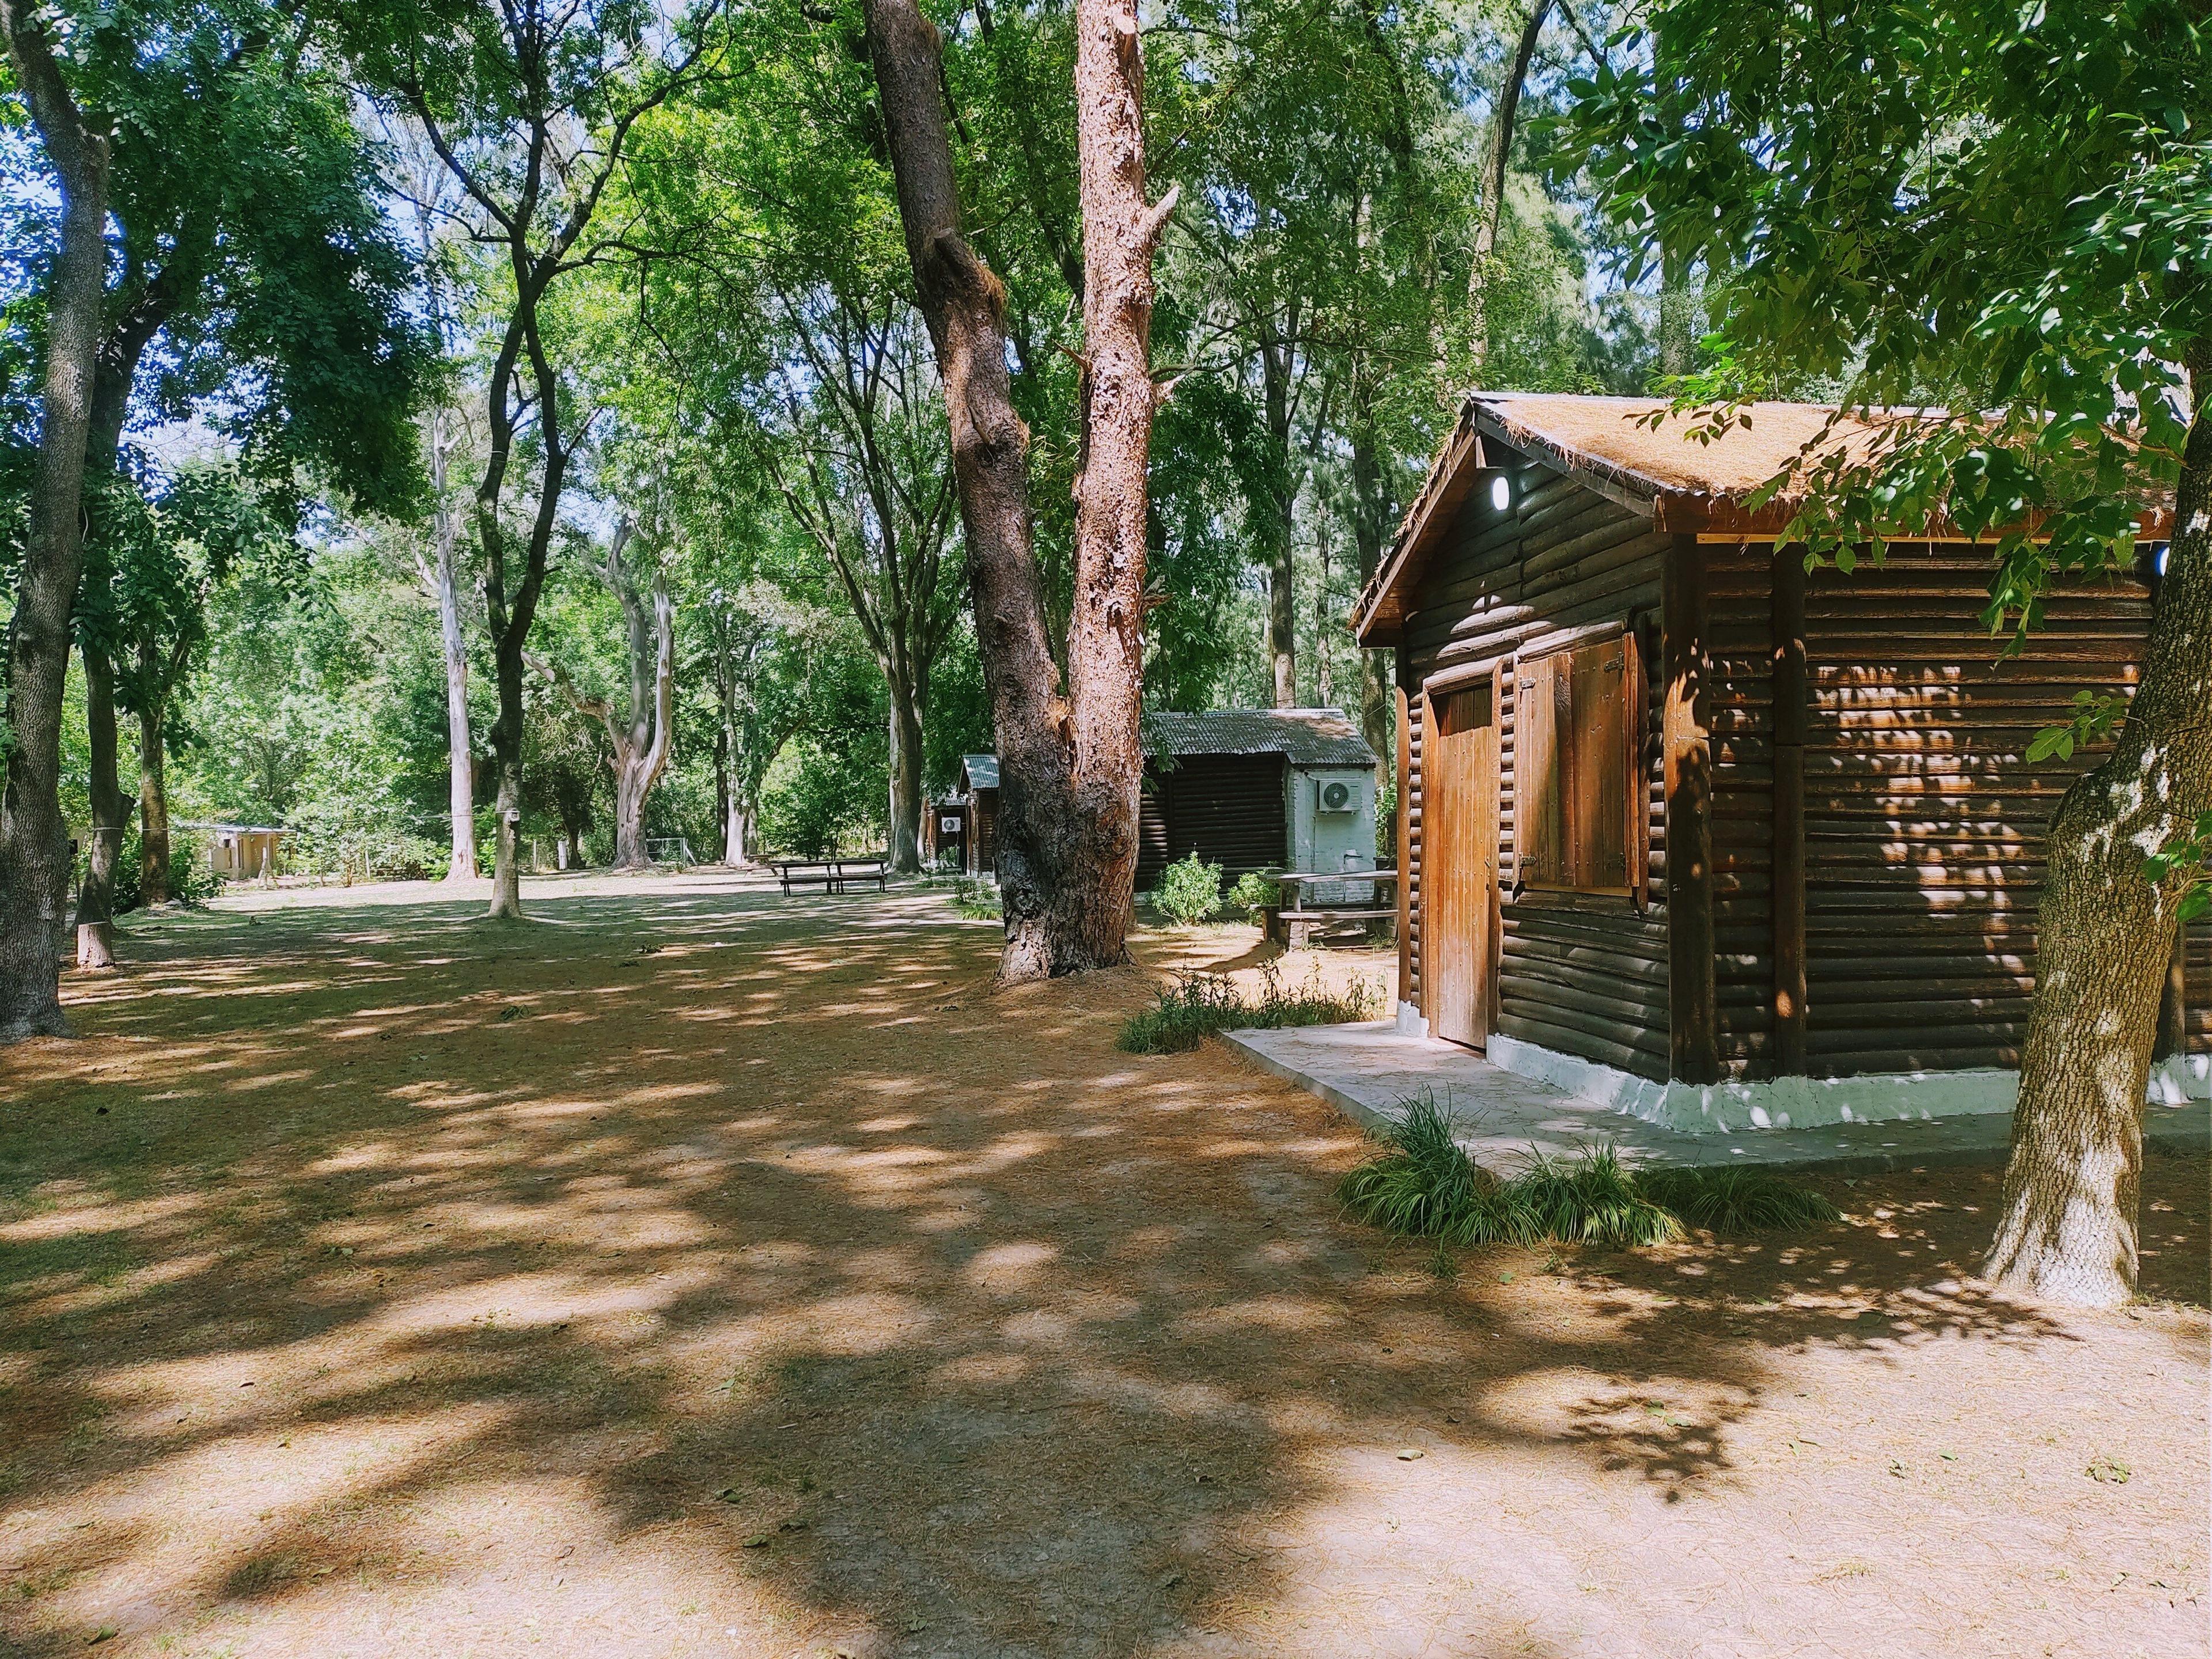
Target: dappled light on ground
(696, 1270)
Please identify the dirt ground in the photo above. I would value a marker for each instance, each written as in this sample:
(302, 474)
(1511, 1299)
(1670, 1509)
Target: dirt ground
(695, 1271)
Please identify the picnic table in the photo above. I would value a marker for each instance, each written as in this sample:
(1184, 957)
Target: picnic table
(1321, 902)
(830, 875)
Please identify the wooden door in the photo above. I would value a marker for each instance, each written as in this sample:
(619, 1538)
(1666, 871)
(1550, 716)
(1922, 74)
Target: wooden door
(1459, 858)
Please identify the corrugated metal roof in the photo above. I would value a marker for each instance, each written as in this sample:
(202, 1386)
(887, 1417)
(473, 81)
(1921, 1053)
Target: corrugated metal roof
(983, 770)
(1304, 737)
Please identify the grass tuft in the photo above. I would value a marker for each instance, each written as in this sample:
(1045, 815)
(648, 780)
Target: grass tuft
(1591, 1199)
(1195, 1007)
(1421, 1185)
(1735, 1200)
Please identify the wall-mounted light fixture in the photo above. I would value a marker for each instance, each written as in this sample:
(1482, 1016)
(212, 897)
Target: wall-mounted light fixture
(1501, 493)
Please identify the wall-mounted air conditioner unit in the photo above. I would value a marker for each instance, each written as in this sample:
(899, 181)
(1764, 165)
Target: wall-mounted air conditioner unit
(1334, 795)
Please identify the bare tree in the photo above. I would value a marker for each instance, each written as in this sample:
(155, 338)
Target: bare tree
(638, 742)
(1068, 764)
(33, 839)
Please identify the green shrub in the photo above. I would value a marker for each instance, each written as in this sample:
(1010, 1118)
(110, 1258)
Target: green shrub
(1590, 1199)
(1256, 890)
(977, 899)
(1426, 1188)
(1186, 1013)
(1736, 1200)
(1423, 1186)
(1189, 892)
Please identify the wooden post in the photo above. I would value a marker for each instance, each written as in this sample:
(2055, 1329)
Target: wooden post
(1690, 980)
(1405, 854)
(1792, 695)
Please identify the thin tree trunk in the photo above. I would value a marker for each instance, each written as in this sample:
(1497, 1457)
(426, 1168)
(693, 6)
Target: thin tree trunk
(95, 901)
(1370, 530)
(723, 799)
(460, 757)
(153, 809)
(1281, 642)
(1067, 841)
(1492, 209)
(905, 787)
(506, 773)
(2104, 937)
(33, 839)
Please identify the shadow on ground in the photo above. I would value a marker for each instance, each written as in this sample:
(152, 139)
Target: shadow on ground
(696, 1270)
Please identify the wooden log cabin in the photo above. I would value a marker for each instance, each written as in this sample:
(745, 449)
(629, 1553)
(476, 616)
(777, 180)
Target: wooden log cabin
(1694, 833)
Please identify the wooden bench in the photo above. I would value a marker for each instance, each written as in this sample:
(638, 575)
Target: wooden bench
(1297, 923)
(830, 875)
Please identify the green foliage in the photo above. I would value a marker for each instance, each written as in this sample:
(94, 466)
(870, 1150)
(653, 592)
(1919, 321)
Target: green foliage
(190, 881)
(1426, 1188)
(1838, 166)
(976, 900)
(1189, 892)
(1733, 1200)
(1198, 1005)
(1590, 1199)
(1422, 1185)
(1256, 890)
(2188, 854)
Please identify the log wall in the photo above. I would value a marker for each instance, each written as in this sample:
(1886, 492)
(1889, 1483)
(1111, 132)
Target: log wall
(1582, 973)
(1924, 821)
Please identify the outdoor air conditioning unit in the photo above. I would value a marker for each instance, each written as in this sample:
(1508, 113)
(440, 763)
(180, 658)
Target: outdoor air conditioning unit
(1334, 795)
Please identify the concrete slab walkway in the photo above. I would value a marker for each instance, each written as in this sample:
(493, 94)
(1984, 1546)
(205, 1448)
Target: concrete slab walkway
(1370, 1070)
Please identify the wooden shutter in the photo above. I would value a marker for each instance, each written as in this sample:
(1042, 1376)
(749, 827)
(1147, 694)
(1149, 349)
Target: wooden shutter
(1539, 819)
(1600, 763)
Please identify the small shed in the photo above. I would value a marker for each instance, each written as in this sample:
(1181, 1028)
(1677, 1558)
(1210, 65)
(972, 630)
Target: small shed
(979, 792)
(1684, 824)
(1256, 788)
(244, 852)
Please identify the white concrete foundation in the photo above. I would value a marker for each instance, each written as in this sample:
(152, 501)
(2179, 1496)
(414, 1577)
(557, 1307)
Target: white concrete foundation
(1801, 1102)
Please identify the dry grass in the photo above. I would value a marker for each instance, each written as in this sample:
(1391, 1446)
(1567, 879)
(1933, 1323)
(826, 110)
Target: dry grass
(697, 1271)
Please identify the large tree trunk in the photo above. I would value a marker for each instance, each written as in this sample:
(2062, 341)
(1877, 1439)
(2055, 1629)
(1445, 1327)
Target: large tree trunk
(33, 839)
(2106, 937)
(1106, 627)
(1067, 778)
(153, 809)
(111, 814)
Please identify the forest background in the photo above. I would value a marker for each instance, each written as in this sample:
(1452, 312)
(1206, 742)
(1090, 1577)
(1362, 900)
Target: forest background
(755, 482)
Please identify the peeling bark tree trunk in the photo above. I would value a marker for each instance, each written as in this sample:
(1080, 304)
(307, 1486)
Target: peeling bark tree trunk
(638, 741)
(2105, 937)
(33, 839)
(1106, 626)
(1066, 835)
(96, 908)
